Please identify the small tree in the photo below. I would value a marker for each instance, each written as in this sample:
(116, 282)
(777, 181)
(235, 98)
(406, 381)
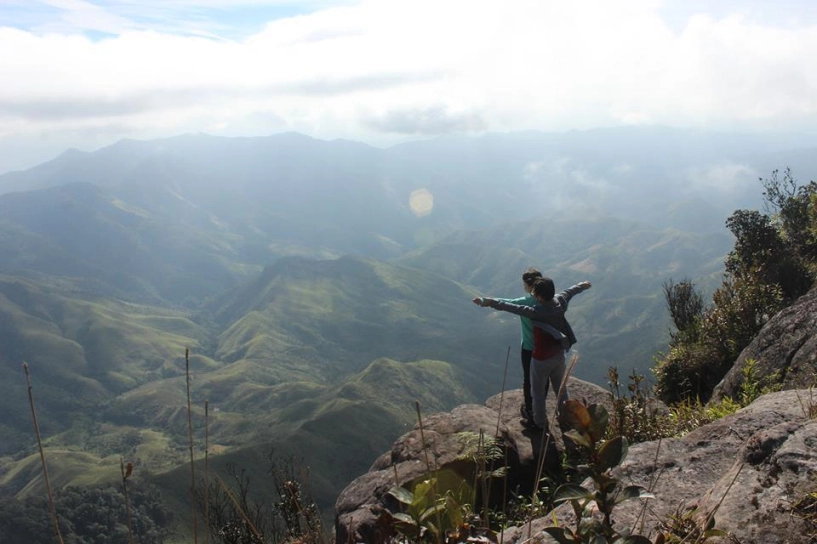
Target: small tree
(774, 261)
(794, 209)
(685, 305)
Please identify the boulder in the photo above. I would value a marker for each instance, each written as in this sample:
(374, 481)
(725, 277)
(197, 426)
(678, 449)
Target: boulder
(361, 510)
(784, 351)
(748, 470)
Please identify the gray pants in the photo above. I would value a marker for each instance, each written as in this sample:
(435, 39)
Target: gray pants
(544, 374)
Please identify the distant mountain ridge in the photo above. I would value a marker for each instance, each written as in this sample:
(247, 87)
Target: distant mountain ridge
(139, 217)
(315, 302)
(345, 197)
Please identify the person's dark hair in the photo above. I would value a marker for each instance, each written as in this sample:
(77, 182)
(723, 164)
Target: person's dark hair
(530, 276)
(544, 288)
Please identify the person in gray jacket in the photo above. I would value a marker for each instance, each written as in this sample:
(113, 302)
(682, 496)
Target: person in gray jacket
(553, 336)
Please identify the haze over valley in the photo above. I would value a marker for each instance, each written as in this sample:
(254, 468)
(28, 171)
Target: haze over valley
(306, 195)
(318, 299)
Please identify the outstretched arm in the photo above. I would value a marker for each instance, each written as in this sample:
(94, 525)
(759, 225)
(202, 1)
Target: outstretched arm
(518, 309)
(568, 293)
(519, 300)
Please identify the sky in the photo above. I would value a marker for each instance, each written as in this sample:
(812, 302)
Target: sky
(84, 74)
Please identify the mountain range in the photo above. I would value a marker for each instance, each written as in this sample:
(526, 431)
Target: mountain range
(317, 299)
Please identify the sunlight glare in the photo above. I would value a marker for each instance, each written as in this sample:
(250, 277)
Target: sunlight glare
(421, 202)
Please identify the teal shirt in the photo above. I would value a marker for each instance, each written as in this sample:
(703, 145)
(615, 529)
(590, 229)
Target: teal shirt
(527, 326)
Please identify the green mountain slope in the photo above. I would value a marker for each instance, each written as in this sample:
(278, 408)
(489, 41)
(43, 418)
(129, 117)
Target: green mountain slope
(110, 246)
(314, 356)
(217, 241)
(321, 320)
(622, 320)
(336, 431)
(81, 351)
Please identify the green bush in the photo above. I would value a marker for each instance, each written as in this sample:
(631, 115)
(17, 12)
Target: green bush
(773, 262)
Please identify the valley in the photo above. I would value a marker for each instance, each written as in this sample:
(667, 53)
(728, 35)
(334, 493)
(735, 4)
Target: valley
(316, 305)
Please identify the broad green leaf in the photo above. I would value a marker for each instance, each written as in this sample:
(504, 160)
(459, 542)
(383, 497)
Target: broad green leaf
(578, 438)
(405, 518)
(599, 418)
(424, 493)
(613, 452)
(570, 492)
(428, 512)
(605, 482)
(431, 527)
(633, 492)
(598, 539)
(453, 512)
(402, 494)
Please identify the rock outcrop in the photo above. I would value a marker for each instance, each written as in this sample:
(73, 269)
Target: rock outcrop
(786, 346)
(360, 509)
(748, 470)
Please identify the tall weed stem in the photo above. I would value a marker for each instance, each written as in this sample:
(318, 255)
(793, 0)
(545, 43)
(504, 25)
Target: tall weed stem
(42, 457)
(190, 436)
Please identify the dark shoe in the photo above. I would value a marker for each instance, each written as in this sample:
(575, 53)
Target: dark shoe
(530, 425)
(525, 412)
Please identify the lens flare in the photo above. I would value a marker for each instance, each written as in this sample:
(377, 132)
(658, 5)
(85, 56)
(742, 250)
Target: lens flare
(421, 202)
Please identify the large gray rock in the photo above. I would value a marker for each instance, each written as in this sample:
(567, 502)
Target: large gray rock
(748, 470)
(786, 345)
(361, 508)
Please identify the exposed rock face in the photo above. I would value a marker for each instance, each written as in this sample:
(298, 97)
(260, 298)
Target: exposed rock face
(749, 468)
(360, 509)
(767, 450)
(787, 344)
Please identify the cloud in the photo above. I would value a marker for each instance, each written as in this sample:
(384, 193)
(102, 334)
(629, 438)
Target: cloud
(427, 121)
(374, 69)
(562, 185)
(727, 178)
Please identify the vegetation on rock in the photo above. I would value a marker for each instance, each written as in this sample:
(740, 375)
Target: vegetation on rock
(774, 261)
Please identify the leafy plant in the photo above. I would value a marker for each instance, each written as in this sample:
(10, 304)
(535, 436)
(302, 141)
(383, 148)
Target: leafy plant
(430, 517)
(588, 426)
(753, 386)
(483, 451)
(685, 305)
(773, 262)
(634, 416)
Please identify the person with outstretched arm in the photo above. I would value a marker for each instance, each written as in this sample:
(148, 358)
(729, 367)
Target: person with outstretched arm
(529, 277)
(552, 337)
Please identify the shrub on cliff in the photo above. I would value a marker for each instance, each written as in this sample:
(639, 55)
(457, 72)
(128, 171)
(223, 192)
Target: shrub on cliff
(774, 261)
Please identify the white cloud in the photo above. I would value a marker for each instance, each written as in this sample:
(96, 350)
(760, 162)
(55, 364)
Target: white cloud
(381, 70)
(726, 178)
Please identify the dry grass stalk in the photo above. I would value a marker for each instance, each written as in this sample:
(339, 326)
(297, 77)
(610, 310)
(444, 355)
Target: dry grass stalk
(502, 392)
(422, 434)
(190, 436)
(428, 463)
(239, 509)
(496, 433)
(126, 472)
(42, 457)
(206, 468)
